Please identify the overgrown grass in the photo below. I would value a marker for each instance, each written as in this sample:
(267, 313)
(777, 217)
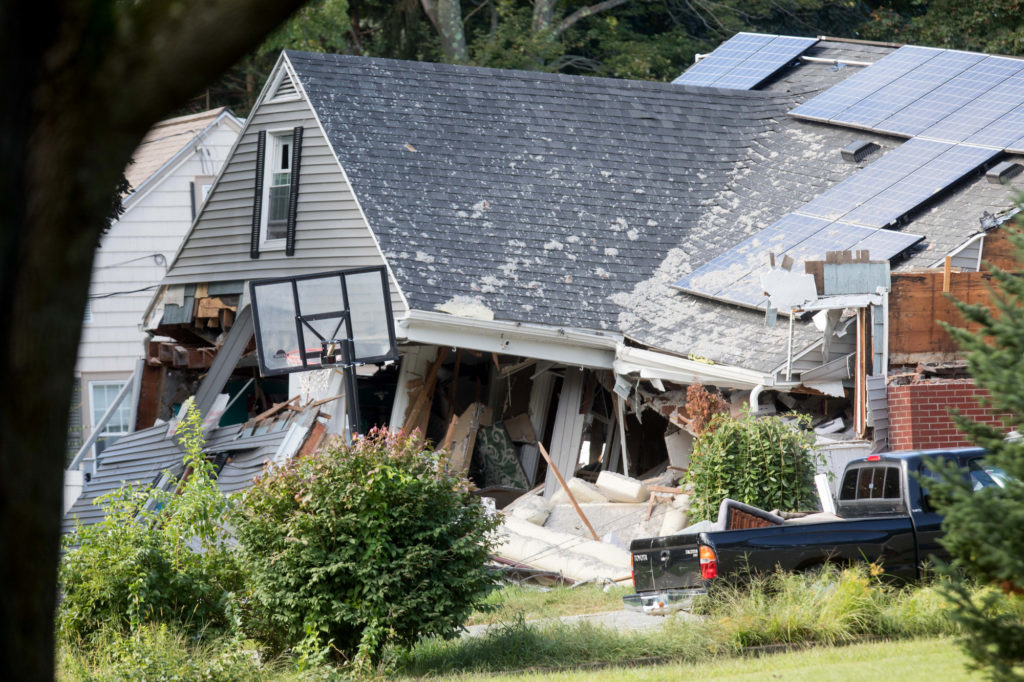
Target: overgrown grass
(533, 603)
(831, 607)
(919, 660)
(163, 652)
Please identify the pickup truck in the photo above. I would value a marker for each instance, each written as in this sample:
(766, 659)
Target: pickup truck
(883, 515)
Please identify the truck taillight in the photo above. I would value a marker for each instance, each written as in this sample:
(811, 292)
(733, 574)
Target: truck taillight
(708, 563)
(632, 570)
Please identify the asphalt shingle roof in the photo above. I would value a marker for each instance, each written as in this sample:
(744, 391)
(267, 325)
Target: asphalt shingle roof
(541, 195)
(574, 201)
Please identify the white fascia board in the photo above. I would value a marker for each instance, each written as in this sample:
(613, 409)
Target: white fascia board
(654, 365)
(575, 347)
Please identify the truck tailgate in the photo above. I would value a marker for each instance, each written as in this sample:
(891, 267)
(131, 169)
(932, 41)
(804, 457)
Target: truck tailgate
(666, 562)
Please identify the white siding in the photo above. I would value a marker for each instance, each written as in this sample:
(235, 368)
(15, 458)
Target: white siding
(134, 255)
(331, 232)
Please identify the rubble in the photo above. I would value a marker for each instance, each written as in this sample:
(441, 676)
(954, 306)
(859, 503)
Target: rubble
(619, 488)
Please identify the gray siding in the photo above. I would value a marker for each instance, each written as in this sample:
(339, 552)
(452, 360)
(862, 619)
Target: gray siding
(331, 233)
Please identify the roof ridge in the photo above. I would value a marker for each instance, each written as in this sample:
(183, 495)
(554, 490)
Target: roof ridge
(522, 74)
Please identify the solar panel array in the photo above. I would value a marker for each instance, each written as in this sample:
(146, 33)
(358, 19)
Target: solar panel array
(734, 276)
(745, 60)
(945, 95)
(960, 109)
(900, 181)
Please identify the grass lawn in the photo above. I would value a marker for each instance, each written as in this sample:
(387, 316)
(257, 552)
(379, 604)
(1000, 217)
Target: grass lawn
(535, 603)
(927, 660)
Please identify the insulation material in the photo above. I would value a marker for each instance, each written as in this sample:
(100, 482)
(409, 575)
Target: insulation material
(581, 490)
(674, 521)
(498, 458)
(619, 488)
(530, 508)
(680, 447)
(569, 555)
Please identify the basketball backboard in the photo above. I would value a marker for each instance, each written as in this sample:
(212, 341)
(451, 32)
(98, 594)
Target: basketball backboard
(338, 318)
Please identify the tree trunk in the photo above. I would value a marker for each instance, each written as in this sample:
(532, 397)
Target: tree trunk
(85, 80)
(543, 15)
(446, 16)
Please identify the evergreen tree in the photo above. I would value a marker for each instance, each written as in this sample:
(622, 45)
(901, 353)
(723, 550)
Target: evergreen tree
(985, 528)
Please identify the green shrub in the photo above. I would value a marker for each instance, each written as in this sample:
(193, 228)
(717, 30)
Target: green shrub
(157, 555)
(362, 546)
(763, 462)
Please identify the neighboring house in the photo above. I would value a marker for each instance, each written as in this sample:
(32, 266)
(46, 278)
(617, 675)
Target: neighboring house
(171, 173)
(580, 250)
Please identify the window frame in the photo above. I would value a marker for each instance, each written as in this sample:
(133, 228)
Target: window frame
(277, 140)
(94, 417)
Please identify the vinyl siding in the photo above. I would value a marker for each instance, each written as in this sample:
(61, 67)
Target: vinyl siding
(134, 255)
(331, 233)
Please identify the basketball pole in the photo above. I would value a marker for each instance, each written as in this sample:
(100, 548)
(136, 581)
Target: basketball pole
(351, 386)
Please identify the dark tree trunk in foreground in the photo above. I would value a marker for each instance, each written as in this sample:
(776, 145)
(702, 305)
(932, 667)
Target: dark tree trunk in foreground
(84, 80)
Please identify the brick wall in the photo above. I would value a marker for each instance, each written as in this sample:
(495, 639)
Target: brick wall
(919, 417)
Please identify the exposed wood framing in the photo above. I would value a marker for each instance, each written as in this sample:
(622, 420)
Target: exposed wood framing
(917, 304)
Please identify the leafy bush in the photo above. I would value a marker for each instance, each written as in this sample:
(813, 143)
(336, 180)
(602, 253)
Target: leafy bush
(361, 546)
(760, 461)
(157, 555)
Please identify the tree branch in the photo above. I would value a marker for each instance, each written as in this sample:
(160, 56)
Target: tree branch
(169, 49)
(584, 12)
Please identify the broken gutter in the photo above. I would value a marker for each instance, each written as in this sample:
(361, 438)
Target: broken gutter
(653, 365)
(574, 347)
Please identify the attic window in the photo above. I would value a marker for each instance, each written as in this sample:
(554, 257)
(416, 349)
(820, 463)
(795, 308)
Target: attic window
(285, 89)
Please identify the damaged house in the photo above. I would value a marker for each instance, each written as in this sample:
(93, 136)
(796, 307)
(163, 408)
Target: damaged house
(567, 255)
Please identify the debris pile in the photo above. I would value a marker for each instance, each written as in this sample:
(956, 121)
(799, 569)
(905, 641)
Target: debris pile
(583, 531)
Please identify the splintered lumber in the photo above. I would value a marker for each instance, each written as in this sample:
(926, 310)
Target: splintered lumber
(565, 487)
(461, 437)
(273, 410)
(419, 412)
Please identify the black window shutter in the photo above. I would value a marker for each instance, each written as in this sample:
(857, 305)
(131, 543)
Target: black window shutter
(293, 192)
(257, 204)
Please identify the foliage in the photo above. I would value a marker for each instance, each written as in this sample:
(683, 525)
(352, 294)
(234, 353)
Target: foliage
(361, 546)
(158, 555)
(635, 39)
(701, 407)
(995, 26)
(764, 462)
(161, 652)
(985, 528)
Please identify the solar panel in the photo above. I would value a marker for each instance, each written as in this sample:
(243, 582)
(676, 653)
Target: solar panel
(888, 206)
(842, 96)
(874, 179)
(745, 60)
(951, 96)
(886, 244)
(1002, 133)
(724, 59)
(745, 289)
(982, 111)
(874, 109)
(721, 273)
